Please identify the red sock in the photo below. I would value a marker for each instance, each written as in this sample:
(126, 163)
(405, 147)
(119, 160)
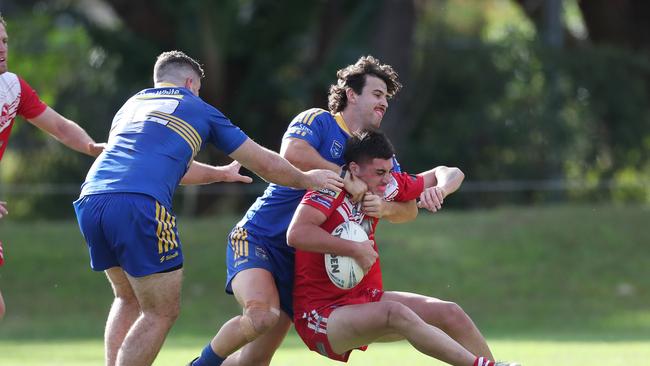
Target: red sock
(482, 361)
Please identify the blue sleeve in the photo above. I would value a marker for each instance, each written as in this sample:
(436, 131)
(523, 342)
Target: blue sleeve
(397, 168)
(310, 125)
(223, 134)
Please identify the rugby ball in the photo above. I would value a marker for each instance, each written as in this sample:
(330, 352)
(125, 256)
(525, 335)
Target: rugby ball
(344, 272)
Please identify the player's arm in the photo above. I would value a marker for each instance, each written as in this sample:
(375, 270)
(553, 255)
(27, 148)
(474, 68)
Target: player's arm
(439, 183)
(272, 167)
(305, 233)
(200, 173)
(395, 212)
(67, 132)
(302, 155)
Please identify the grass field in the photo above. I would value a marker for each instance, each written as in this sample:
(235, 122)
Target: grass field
(563, 284)
(178, 351)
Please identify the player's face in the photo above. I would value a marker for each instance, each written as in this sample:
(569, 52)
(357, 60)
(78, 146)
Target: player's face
(4, 48)
(372, 103)
(375, 173)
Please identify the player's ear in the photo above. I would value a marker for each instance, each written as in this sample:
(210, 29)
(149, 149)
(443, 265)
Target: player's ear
(354, 168)
(351, 95)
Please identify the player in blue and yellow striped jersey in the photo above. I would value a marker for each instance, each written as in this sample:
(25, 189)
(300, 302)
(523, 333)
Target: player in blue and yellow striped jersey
(124, 210)
(260, 263)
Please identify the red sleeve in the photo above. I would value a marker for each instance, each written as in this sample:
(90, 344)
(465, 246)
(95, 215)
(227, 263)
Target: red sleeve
(323, 200)
(410, 186)
(30, 104)
(2, 257)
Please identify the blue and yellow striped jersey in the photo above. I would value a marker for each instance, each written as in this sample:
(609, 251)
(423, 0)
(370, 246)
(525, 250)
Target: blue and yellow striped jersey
(153, 139)
(271, 213)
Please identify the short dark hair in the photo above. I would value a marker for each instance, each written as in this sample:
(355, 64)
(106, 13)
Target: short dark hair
(2, 21)
(175, 59)
(354, 76)
(366, 145)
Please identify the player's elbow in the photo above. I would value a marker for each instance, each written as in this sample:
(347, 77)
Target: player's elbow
(459, 174)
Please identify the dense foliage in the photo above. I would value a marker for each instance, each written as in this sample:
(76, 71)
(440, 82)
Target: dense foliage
(482, 93)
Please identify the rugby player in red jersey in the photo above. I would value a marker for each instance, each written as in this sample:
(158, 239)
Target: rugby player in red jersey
(334, 321)
(18, 98)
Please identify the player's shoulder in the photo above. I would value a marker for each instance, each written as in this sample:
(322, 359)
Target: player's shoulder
(325, 198)
(308, 116)
(10, 76)
(403, 184)
(12, 81)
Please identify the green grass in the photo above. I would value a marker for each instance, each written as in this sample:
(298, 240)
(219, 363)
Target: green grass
(178, 351)
(564, 283)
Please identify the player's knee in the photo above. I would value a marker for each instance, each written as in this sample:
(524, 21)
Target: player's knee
(453, 316)
(258, 318)
(397, 315)
(164, 311)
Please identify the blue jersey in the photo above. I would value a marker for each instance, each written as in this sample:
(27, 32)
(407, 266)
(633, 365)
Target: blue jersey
(271, 213)
(152, 142)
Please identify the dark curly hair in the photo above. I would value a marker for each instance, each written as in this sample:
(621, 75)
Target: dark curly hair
(354, 76)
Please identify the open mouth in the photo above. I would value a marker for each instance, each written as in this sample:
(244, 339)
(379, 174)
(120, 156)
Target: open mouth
(380, 111)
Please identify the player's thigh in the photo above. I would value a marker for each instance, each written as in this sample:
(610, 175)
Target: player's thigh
(261, 350)
(255, 284)
(430, 309)
(159, 293)
(353, 326)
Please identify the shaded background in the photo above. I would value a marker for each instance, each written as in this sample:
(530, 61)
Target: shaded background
(535, 100)
(542, 103)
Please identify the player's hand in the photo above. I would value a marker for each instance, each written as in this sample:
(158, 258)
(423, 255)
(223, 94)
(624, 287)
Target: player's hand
(365, 255)
(320, 179)
(432, 198)
(354, 186)
(3, 209)
(374, 205)
(94, 149)
(231, 173)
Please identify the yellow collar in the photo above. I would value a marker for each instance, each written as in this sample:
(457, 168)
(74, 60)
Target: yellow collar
(166, 85)
(338, 117)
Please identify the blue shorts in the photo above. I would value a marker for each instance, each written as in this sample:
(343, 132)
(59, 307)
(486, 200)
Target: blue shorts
(129, 230)
(246, 250)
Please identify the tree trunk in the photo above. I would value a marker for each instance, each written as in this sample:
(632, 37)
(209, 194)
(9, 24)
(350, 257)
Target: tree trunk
(393, 44)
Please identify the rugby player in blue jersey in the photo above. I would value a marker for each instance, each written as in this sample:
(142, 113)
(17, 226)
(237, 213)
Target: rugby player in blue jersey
(124, 210)
(260, 264)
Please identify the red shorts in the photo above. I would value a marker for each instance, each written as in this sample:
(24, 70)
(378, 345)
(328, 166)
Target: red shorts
(312, 325)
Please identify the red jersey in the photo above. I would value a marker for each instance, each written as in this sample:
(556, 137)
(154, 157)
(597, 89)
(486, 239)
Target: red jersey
(312, 287)
(16, 98)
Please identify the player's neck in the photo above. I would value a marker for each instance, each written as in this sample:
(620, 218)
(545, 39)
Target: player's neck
(164, 84)
(352, 121)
